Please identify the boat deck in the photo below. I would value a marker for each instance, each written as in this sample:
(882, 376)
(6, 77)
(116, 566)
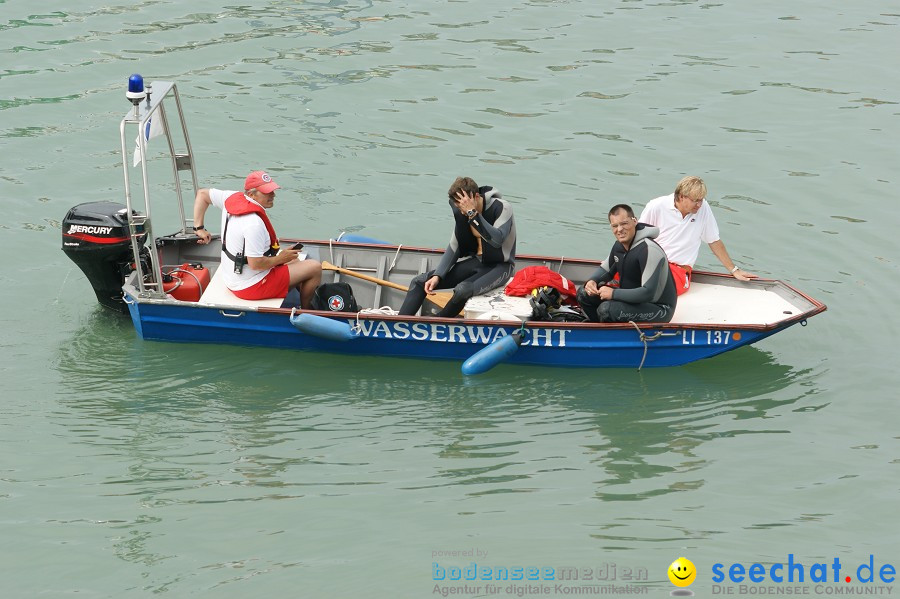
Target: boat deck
(705, 303)
(217, 294)
(732, 305)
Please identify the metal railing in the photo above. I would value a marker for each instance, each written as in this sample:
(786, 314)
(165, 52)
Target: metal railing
(140, 223)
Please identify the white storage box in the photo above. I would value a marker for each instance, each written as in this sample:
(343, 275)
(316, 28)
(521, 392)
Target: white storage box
(496, 305)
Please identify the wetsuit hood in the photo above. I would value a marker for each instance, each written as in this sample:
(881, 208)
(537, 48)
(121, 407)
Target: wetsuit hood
(644, 231)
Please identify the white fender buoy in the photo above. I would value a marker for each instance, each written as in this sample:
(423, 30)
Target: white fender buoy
(325, 328)
(488, 357)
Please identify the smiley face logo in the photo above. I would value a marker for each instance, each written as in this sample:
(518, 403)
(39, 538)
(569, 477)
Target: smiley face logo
(682, 572)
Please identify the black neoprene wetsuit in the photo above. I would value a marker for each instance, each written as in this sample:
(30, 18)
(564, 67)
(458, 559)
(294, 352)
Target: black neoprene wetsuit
(646, 291)
(461, 268)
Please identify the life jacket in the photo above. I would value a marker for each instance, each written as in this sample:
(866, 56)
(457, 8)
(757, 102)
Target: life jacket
(532, 277)
(237, 204)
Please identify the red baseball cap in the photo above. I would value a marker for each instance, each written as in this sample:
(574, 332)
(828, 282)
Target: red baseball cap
(261, 181)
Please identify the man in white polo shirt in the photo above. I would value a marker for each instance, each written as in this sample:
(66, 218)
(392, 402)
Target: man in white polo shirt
(684, 220)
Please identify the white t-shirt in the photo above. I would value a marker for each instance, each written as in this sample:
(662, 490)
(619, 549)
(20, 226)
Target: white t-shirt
(680, 236)
(246, 233)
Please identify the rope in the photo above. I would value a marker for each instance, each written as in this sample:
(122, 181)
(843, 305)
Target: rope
(66, 278)
(384, 311)
(645, 338)
(394, 261)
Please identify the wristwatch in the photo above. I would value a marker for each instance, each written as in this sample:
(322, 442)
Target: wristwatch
(200, 228)
(471, 214)
(735, 269)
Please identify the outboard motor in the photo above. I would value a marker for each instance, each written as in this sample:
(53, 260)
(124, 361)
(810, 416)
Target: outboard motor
(95, 236)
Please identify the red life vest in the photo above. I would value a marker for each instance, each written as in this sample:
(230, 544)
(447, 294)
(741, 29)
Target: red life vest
(237, 204)
(532, 277)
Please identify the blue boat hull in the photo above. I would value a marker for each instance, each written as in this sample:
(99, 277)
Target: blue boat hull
(547, 345)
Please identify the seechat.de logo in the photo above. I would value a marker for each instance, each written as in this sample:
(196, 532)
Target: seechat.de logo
(794, 571)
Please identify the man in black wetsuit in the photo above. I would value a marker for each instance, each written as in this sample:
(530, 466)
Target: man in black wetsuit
(482, 251)
(646, 291)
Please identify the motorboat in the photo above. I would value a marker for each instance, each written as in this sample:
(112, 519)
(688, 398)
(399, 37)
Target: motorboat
(173, 289)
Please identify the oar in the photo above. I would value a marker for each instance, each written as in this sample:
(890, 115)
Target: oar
(439, 298)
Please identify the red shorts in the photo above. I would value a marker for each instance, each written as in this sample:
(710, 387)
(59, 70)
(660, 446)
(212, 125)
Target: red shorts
(682, 276)
(274, 284)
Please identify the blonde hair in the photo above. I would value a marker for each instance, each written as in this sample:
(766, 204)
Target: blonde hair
(691, 187)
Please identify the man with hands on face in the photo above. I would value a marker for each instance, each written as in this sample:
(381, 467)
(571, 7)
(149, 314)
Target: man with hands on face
(481, 254)
(255, 266)
(646, 291)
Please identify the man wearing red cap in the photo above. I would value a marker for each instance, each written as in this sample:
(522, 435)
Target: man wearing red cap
(255, 267)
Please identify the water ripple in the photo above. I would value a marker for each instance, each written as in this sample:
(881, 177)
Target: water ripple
(136, 452)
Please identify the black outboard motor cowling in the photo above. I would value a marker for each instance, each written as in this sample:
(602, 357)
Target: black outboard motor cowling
(95, 236)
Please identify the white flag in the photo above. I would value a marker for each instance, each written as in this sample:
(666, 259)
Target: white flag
(153, 128)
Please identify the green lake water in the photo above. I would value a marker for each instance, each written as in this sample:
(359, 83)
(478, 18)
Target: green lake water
(138, 469)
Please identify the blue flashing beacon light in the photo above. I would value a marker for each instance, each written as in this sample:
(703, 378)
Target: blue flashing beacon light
(136, 85)
(135, 91)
